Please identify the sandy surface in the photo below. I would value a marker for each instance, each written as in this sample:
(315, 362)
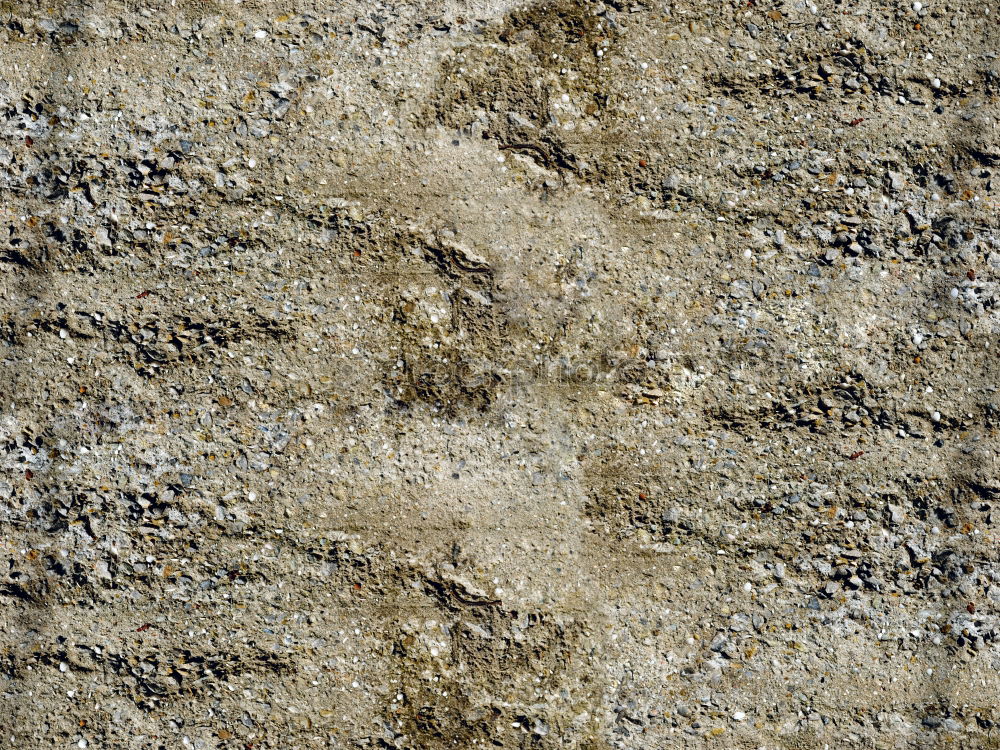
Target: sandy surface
(471, 374)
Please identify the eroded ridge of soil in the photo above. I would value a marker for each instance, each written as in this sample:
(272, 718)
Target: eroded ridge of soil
(474, 374)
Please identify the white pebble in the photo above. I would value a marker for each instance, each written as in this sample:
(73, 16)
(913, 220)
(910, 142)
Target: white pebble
(918, 6)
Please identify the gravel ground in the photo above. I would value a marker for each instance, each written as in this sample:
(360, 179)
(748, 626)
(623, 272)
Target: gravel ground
(469, 374)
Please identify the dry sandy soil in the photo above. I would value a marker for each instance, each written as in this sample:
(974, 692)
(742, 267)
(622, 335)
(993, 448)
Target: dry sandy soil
(473, 374)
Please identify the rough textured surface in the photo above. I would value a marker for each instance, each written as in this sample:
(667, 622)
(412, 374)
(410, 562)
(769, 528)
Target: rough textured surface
(470, 374)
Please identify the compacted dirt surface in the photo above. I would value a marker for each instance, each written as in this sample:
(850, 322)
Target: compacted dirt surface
(475, 374)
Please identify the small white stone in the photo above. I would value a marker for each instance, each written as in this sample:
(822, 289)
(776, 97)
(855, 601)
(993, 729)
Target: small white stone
(261, 34)
(918, 6)
(739, 716)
